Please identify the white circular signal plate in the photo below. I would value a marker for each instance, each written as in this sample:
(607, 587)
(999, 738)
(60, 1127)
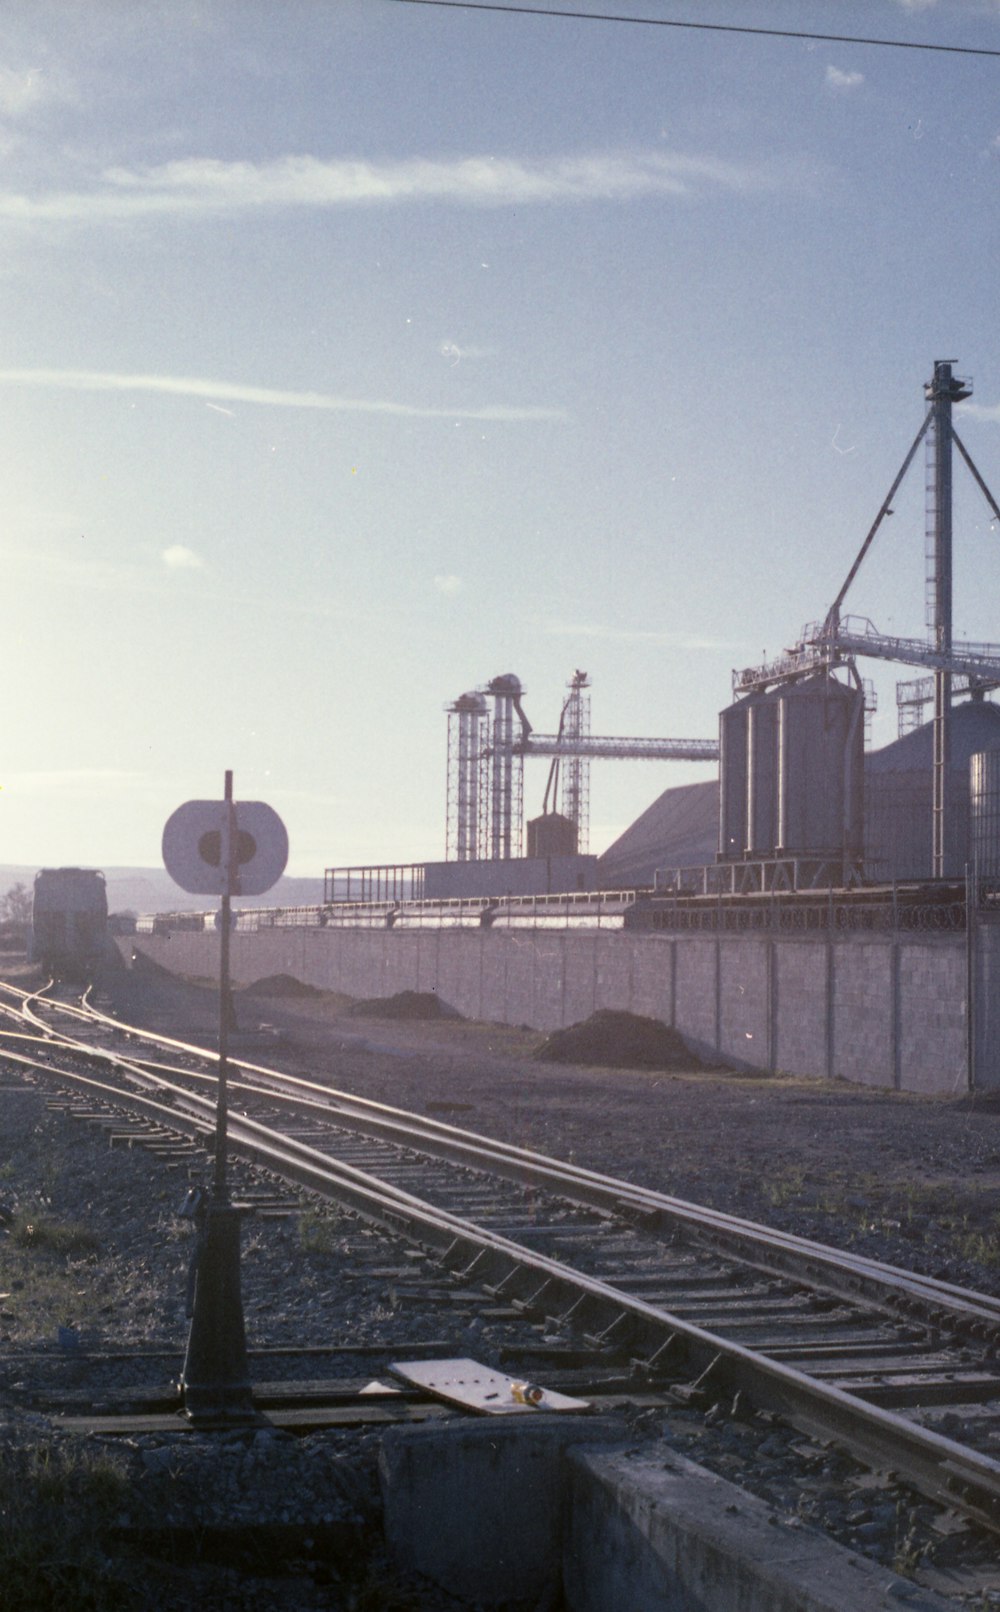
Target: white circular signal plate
(192, 847)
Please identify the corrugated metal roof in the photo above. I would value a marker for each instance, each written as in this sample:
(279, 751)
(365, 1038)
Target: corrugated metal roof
(681, 827)
(679, 830)
(974, 726)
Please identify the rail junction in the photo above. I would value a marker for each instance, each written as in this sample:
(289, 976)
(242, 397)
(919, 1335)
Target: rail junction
(660, 1297)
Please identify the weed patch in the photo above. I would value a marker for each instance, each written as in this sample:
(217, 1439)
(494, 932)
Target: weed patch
(785, 1188)
(56, 1507)
(44, 1236)
(318, 1232)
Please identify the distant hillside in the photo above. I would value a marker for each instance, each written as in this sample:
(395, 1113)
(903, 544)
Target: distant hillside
(152, 890)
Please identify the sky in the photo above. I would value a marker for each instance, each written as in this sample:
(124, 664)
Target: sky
(355, 352)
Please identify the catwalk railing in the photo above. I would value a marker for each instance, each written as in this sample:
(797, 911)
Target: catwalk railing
(932, 907)
(833, 912)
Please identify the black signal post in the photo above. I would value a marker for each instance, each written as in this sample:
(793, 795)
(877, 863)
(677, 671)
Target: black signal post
(227, 859)
(222, 848)
(216, 1377)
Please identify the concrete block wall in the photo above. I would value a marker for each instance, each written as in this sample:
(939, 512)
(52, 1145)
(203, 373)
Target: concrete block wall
(985, 972)
(801, 1036)
(862, 999)
(881, 1011)
(745, 1007)
(933, 1054)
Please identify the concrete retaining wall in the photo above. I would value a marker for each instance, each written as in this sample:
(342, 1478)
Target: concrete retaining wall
(511, 1509)
(985, 971)
(882, 1011)
(650, 1531)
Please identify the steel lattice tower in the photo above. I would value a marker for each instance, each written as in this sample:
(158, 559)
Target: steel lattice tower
(468, 729)
(506, 769)
(941, 392)
(576, 768)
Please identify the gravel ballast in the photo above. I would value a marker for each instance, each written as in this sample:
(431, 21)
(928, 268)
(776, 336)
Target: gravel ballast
(909, 1180)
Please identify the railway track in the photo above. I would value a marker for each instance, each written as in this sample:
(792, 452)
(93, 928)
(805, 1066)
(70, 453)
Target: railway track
(871, 1357)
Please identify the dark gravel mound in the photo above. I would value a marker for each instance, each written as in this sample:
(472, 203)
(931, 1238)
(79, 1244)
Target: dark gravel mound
(618, 1041)
(148, 968)
(404, 1005)
(280, 985)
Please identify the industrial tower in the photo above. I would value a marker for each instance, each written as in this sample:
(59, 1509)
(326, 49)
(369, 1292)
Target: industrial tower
(941, 392)
(837, 640)
(485, 789)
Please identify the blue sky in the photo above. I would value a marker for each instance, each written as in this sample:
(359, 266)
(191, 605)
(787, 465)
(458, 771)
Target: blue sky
(354, 353)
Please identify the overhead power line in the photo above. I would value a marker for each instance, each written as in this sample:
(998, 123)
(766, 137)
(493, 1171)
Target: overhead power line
(701, 27)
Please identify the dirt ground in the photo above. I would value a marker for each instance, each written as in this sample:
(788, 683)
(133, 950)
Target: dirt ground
(912, 1180)
(915, 1181)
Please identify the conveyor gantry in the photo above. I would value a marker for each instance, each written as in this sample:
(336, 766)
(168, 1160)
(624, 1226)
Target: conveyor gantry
(824, 645)
(553, 744)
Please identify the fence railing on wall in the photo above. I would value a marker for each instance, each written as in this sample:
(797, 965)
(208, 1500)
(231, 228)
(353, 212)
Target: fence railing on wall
(890, 912)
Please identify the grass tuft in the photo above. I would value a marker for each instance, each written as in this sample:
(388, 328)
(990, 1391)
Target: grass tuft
(64, 1238)
(318, 1232)
(56, 1506)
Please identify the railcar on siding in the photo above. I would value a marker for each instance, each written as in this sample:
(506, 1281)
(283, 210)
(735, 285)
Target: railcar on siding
(69, 920)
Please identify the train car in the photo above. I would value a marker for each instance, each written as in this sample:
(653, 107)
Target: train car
(69, 920)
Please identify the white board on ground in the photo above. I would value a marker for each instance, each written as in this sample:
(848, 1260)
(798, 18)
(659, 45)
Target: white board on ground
(479, 1388)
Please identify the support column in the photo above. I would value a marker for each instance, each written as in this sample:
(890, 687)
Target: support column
(941, 392)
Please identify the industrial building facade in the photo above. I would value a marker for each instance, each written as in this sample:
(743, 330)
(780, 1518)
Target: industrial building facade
(767, 922)
(898, 1011)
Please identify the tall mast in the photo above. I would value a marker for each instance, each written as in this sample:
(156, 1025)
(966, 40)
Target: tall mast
(941, 392)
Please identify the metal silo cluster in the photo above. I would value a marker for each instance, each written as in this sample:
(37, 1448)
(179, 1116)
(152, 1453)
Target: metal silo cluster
(792, 772)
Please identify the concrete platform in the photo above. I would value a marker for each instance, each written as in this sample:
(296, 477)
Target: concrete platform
(511, 1512)
(655, 1533)
(477, 1507)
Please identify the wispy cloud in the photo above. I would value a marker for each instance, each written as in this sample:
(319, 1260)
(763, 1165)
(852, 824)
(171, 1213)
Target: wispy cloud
(843, 82)
(91, 782)
(20, 91)
(62, 569)
(980, 411)
(629, 635)
(449, 584)
(45, 521)
(455, 352)
(62, 557)
(180, 558)
(86, 380)
(206, 185)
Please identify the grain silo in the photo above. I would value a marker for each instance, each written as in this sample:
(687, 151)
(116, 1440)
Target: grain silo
(984, 813)
(792, 771)
(820, 759)
(733, 726)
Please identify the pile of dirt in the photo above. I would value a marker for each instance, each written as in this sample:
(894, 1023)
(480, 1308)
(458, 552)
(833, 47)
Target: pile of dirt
(404, 1005)
(280, 985)
(145, 967)
(618, 1041)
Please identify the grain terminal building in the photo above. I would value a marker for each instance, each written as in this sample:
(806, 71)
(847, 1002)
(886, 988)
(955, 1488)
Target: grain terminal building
(892, 988)
(816, 910)
(681, 827)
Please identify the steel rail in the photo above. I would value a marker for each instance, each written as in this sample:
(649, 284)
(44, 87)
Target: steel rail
(849, 1275)
(136, 1069)
(861, 1275)
(937, 1465)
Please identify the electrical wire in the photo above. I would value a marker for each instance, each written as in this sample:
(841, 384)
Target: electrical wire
(701, 27)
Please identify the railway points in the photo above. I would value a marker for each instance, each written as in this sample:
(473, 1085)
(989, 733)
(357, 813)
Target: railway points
(577, 1228)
